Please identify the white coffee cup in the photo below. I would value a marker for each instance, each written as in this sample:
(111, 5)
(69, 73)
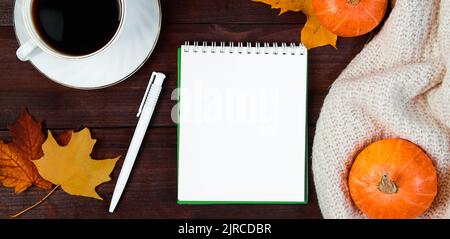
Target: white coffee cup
(36, 45)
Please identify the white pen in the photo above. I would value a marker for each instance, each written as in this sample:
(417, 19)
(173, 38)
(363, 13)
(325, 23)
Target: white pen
(145, 114)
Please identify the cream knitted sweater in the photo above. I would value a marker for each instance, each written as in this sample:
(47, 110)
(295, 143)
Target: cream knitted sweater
(398, 86)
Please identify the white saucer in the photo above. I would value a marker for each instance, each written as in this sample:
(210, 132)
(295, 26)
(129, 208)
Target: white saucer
(116, 63)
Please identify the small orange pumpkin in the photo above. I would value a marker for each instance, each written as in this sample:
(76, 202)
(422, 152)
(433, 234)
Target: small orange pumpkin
(349, 18)
(393, 178)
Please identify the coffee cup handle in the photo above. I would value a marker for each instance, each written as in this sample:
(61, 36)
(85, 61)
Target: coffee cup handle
(27, 51)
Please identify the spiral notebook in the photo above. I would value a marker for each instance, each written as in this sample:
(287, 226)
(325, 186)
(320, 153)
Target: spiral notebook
(242, 123)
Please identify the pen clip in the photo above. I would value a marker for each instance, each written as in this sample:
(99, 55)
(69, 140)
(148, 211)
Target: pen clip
(147, 91)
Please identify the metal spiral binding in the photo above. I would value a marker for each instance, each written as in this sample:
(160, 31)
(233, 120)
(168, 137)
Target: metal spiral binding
(248, 48)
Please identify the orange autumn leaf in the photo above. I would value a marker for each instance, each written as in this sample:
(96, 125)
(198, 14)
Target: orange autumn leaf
(71, 166)
(27, 135)
(313, 33)
(16, 167)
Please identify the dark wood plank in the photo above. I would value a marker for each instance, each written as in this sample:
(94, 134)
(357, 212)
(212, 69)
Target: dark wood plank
(194, 11)
(230, 11)
(151, 191)
(6, 12)
(23, 86)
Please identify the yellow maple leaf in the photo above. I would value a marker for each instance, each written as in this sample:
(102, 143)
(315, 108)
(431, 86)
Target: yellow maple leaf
(72, 167)
(284, 5)
(313, 33)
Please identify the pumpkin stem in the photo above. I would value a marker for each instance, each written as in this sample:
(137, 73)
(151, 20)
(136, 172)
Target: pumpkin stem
(386, 185)
(353, 2)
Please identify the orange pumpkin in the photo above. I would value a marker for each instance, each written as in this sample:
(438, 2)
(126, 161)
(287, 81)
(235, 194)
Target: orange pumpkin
(393, 178)
(349, 18)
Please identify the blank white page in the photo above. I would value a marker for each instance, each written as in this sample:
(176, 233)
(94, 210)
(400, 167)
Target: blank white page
(242, 125)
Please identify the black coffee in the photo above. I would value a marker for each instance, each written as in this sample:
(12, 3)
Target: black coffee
(76, 27)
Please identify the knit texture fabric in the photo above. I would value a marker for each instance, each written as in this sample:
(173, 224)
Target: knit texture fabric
(397, 86)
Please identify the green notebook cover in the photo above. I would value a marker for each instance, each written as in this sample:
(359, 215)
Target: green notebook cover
(182, 202)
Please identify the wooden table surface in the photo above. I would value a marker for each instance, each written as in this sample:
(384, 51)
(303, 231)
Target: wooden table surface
(110, 113)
